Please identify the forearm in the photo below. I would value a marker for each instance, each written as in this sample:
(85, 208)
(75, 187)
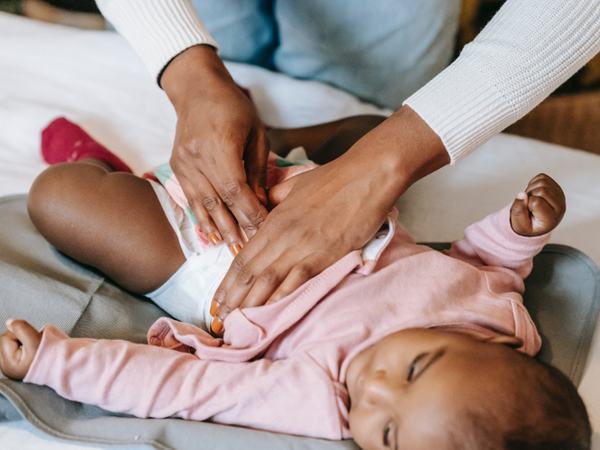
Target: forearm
(158, 30)
(492, 242)
(142, 380)
(325, 141)
(526, 51)
(398, 152)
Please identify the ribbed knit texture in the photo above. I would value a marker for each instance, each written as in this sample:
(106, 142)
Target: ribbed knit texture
(158, 30)
(526, 51)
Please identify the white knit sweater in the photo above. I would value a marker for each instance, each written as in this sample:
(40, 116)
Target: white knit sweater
(528, 49)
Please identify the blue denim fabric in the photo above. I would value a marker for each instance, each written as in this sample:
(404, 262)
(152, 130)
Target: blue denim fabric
(379, 50)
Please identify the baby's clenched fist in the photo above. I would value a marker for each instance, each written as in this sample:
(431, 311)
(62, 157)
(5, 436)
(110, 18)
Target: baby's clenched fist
(539, 209)
(18, 347)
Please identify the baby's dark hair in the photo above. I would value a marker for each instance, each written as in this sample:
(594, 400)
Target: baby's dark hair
(543, 412)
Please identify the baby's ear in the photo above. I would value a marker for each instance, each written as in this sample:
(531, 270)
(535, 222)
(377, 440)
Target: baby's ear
(511, 341)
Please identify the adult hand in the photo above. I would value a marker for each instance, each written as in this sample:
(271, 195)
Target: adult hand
(220, 150)
(330, 211)
(18, 347)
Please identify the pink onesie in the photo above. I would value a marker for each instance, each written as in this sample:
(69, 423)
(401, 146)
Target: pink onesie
(282, 367)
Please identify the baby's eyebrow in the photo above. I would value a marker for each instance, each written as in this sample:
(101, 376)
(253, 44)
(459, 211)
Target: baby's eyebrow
(432, 360)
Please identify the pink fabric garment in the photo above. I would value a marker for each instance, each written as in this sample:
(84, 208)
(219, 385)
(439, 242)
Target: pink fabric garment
(282, 367)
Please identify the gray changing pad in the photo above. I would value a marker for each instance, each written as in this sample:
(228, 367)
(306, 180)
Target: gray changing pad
(40, 285)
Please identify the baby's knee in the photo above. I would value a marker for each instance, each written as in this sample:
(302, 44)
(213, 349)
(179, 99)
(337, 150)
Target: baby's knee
(52, 192)
(43, 194)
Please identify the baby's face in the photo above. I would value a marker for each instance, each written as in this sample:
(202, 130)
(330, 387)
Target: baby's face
(408, 390)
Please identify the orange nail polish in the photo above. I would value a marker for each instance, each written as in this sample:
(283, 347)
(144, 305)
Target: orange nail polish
(215, 237)
(235, 248)
(216, 326)
(213, 308)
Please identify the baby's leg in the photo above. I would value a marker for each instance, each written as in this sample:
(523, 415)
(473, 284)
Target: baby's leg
(109, 220)
(323, 142)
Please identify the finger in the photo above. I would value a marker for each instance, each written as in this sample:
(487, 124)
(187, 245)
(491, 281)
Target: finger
(543, 180)
(267, 283)
(246, 273)
(300, 274)
(544, 216)
(10, 348)
(256, 158)
(193, 193)
(519, 215)
(238, 273)
(549, 196)
(243, 203)
(240, 199)
(214, 218)
(279, 192)
(28, 336)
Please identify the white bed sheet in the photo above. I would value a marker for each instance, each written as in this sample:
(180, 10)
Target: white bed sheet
(95, 79)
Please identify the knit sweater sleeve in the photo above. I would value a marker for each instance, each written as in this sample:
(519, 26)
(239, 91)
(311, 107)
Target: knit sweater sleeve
(158, 30)
(526, 51)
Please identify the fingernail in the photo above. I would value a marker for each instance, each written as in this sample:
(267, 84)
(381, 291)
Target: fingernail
(522, 195)
(9, 322)
(213, 308)
(217, 325)
(235, 248)
(215, 237)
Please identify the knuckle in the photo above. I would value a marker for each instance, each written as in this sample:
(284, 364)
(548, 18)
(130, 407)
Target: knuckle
(230, 190)
(193, 147)
(219, 295)
(534, 202)
(256, 219)
(243, 272)
(268, 276)
(304, 271)
(210, 203)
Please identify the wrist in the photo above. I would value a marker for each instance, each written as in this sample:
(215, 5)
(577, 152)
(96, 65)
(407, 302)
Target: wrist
(404, 149)
(194, 69)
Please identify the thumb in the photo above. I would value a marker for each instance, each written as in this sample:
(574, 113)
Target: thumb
(26, 334)
(519, 215)
(255, 159)
(280, 191)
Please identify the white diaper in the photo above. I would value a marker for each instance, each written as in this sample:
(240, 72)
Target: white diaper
(187, 295)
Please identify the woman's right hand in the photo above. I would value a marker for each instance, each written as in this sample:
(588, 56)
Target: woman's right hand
(220, 150)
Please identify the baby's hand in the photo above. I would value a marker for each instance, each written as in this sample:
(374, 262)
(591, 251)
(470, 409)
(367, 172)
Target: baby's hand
(539, 209)
(18, 347)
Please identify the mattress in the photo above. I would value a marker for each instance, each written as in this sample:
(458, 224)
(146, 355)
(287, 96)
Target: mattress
(95, 79)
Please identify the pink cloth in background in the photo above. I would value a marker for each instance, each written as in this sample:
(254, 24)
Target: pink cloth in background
(282, 367)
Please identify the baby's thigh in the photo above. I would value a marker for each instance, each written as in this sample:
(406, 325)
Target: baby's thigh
(112, 221)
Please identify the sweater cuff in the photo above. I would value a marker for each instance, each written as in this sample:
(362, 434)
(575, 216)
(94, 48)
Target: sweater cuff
(157, 30)
(463, 107)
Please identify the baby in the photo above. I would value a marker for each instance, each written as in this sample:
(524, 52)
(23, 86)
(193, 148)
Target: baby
(396, 345)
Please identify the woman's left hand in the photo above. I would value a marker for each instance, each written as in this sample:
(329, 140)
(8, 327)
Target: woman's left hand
(330, 211)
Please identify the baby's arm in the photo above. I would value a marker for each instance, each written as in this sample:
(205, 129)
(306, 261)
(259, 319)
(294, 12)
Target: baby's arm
(151, 381)
(512, 236)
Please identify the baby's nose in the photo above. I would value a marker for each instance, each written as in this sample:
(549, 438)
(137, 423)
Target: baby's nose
(379, 388)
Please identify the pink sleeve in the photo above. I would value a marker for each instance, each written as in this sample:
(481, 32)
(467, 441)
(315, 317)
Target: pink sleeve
(291, 396)
(492, 242)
